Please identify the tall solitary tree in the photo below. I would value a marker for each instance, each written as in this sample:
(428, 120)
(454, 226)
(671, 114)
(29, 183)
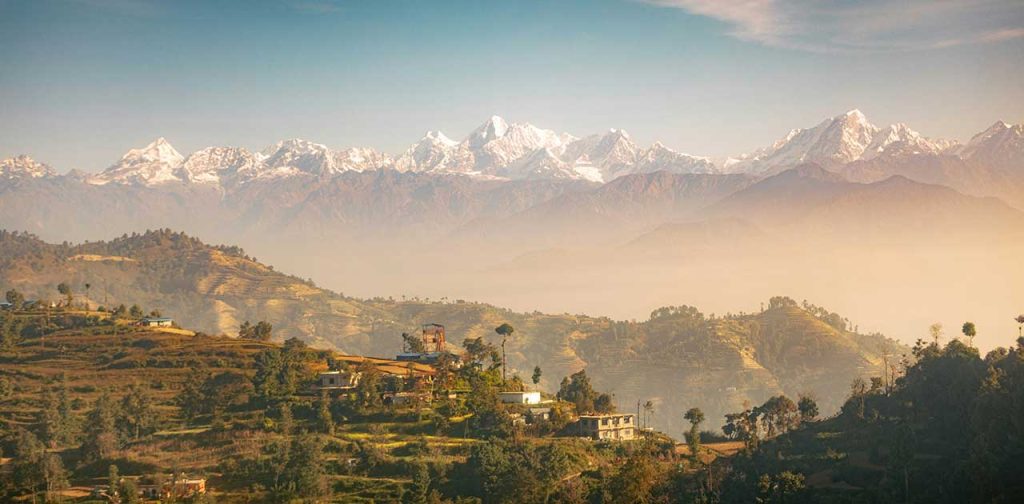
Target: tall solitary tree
(970, 332)
(648, 412)
(137, 408)
(936, 332)
(505, 330)
(17, 299)
(536, 376)
(695, 416)
(65, 290)
(1020, 325)
(808, 408)
(101, 429)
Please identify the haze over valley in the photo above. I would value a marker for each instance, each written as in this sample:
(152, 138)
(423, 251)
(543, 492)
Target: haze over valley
(852, 215)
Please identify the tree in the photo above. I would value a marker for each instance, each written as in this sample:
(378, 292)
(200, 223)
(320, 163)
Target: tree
(505, 330)
(368, 388)
(970, 332)
(635, 482)
(808, 408)
(27, 467)
(262, 331)
(603, 403)
(696, 417)
(536, 376)
(281, 372)
(778, 487)
(305, 470)
(128, 491)
(101, 429)
(113, 479)
(137, 410)
(57, 418)
(87, 287)
(410, 343)
(191, 397)
(936, 332)
(477, 350)
(285, 420)
(577, 389)
(55, 478)
(324, 418)
(65, 290)
(1019, 320)
(135, 311)
(419, 491)
(15, 298)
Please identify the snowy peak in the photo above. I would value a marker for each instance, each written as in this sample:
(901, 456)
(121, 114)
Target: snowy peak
(24, 167)
(435, 152)
(219, 165)
(1001, 144)
(661, 158)
(296, 156)
(493, 129)
(154, 164)
(836, 141)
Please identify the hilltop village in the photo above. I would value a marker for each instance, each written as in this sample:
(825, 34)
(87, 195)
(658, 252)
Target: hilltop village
(122, 405)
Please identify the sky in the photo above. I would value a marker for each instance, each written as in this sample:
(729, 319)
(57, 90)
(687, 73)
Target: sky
(83, 81)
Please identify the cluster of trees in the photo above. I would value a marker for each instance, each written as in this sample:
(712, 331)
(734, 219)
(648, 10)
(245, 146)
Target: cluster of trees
(98, 434)
(577, 389)
(261, 331)
(774, 417)
(948, 430)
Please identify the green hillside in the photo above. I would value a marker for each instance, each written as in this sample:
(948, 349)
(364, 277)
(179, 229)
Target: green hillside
(678, 359)
(81, 392)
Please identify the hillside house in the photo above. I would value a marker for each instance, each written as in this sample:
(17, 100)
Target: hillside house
(338, 380)
(520, 397)
(4, 305)
(407, 398)
(156, 322)
(611, 427)
(185, 487)
(534, 415)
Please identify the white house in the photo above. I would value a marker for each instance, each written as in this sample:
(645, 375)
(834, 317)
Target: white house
(520, 397)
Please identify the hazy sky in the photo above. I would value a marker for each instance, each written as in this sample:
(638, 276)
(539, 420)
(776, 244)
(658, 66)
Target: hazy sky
(83, 81)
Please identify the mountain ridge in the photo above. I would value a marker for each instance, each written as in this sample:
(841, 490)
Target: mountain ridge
(498, 149)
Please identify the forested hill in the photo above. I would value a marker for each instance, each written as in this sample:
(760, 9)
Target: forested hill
(677, 359)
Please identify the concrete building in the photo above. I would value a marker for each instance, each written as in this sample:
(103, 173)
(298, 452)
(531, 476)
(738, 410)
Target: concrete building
(607, 427)
(156, 322)
(534, 415)
(338, 380)
(520, 397)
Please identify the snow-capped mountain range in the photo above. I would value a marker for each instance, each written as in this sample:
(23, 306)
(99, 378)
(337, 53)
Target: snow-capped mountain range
(838, 140)
(501, 150)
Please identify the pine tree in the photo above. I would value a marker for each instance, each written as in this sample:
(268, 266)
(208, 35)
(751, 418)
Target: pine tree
(137, 409)
(101, 429)
(324, 414)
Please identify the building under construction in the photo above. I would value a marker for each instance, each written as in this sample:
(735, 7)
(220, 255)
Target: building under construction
(434, 350)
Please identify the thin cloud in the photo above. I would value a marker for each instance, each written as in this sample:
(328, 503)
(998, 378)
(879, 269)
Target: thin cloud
(868, 26)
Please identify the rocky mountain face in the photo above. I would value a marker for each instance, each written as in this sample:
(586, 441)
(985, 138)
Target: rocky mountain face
(679, 358)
